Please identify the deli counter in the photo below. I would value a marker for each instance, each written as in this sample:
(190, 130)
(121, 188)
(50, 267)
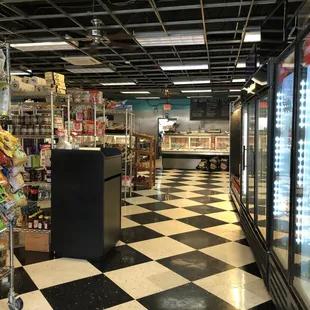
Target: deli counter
(184, 151)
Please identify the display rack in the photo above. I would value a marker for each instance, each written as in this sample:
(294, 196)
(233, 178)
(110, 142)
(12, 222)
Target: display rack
(124, 137)
(52, 99)
(89, 139)
(145, 160)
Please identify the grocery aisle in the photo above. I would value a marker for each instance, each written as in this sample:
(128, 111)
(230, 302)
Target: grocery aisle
(181, 248)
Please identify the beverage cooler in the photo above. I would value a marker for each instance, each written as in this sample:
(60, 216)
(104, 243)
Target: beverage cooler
(290, 227)
(274, 200)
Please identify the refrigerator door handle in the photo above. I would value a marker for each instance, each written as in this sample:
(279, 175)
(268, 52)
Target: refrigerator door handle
(243, 157)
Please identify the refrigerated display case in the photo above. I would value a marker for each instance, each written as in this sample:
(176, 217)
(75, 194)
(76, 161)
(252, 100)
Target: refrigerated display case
(184, 151)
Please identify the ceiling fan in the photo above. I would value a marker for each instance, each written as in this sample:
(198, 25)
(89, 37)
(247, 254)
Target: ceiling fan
(97, 37)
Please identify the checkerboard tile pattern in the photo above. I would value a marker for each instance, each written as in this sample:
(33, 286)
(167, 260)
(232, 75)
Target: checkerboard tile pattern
(181, 248)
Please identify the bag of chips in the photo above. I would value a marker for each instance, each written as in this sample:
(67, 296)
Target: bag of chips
(19, 198)
(3, 180)
(6, 150)
(19, 156)
(17, 182)
(17, 169)
(5, 161)
(224, 164)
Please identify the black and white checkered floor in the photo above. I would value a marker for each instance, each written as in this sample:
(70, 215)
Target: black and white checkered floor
(181, 248)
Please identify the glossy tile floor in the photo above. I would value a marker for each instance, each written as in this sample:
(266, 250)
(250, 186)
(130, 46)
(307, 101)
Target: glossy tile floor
(181, 248)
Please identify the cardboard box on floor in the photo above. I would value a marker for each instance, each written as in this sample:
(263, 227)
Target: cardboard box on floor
(36, 241)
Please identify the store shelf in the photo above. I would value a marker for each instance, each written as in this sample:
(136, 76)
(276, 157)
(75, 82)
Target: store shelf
(39, 231)
(35, 95)
(116, 132)
(198, 152)
(36, 183)
(33, 136)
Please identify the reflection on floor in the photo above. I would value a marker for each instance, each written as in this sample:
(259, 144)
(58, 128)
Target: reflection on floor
(181, 248)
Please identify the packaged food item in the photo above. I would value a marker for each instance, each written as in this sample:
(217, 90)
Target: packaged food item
(17, 182)
(224, 164)
(19, 198)
(8, 139)
(214, 166)
(16, 170)
(4, 160)
(3, 180)
(6, 150)
(5, 199)
(20, 157)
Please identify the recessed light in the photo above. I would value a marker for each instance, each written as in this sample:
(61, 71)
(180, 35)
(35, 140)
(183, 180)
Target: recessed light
(147, 98)
(118, 83)
(174, 66)
(135, 92)
(174, 38)
(186, 82)
(238, 80)
(45, 46)
(252, 36)
(235, 90)
(196, 91)
(81, 60)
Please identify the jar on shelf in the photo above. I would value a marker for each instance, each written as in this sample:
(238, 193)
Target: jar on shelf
(27, 119)
(30, 131)
(17, 130)
(34, 119)
(40, 119)
(45, 119)
(42, 130)
(24, 130)
(47, 129)
(36, 130)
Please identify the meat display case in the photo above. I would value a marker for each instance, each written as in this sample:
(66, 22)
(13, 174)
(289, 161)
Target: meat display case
(184, 151)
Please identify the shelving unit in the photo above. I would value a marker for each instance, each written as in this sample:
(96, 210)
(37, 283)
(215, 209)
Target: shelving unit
(145, 160)
(51, 99)
(126, 145)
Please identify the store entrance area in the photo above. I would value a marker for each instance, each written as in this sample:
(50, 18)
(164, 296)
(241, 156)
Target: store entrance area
(181, 247)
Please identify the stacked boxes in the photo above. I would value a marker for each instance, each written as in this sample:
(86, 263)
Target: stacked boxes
(56, 82)
(86, 96)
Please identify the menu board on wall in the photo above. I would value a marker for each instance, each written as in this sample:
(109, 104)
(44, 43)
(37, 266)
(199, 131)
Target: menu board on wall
(209, 108)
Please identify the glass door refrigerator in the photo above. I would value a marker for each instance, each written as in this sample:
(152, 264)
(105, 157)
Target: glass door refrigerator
(300, 258)
(288, 197)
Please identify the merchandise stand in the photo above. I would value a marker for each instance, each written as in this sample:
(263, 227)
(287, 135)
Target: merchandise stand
(52, 99)
(91, 138)
(145, 160)
(128, 142)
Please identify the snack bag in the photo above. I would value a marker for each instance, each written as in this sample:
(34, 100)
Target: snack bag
(5, 199)
(3, 180)
(17, 182)
(19, 156)
(19, 198)
(8, 139)
(17, 169)
(5, 161)
(213, 164)
(6, 149)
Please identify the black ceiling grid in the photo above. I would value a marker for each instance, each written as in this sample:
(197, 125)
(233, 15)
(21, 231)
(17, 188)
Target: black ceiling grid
(222, 24)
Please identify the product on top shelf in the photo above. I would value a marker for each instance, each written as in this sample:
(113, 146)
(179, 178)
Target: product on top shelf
(55, 82)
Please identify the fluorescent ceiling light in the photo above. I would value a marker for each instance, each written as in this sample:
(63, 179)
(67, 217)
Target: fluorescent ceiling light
(20, 72)
(196, 91)
(184, 82)
(174, 66)
(235, 90)
(135, 92)
(241, 65)
(189, 97)
(234, 96)
(44, 46)
(238, 80)
(81, 60)
(172, 39)
(147, 98)
(89, 70)
(252, 36)
(118, 83)
(221, 91)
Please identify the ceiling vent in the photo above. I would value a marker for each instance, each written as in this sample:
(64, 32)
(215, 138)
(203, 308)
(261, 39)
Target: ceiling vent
(81, 60)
